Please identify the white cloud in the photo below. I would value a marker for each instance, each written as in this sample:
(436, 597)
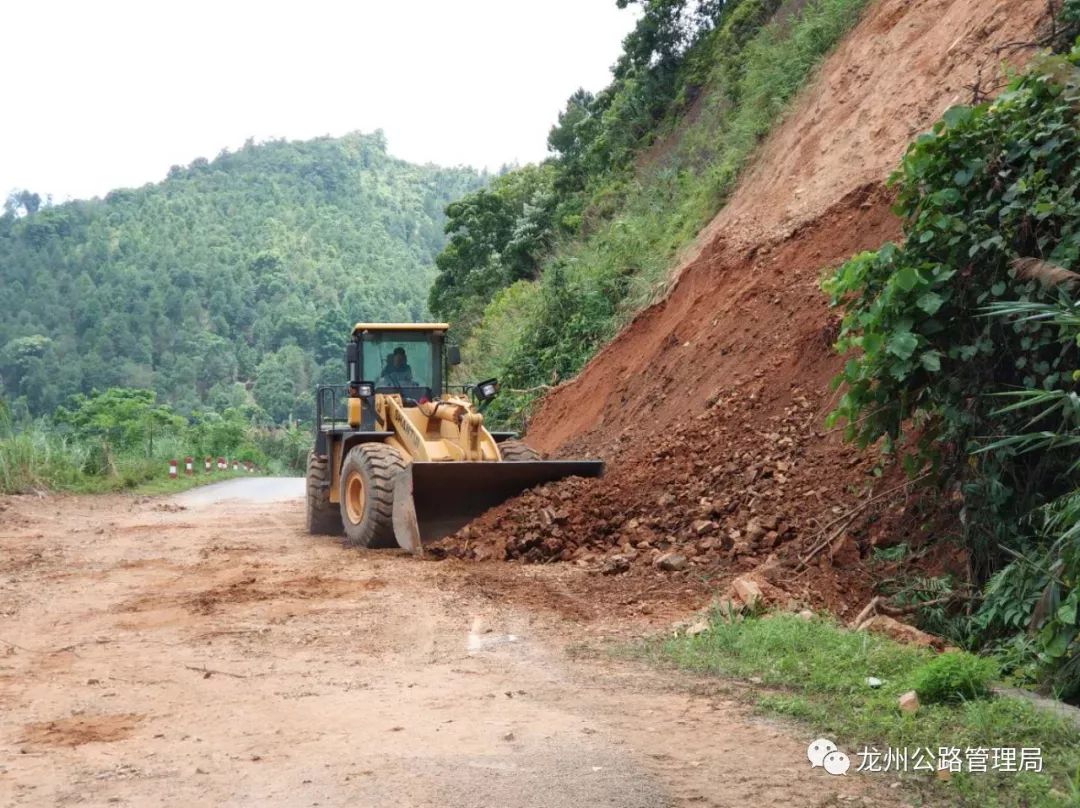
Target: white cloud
(107, 94)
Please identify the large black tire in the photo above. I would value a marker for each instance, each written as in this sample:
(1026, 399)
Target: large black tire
(367, 494)
(514, 451)
(323, 516)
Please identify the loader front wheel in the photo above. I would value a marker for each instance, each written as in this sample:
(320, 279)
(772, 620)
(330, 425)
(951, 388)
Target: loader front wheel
(514, 451)
(323, 517)
(367, 494)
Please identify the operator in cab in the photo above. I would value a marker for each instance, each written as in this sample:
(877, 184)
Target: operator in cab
(396, 372)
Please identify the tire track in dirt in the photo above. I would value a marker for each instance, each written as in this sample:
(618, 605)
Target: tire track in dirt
(222, 656)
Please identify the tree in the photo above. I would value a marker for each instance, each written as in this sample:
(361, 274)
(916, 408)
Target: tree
(497, 236)
(22, 203)
(30, 371)
(124, 418)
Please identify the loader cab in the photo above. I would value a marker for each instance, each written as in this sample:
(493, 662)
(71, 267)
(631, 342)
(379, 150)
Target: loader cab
(407, 359)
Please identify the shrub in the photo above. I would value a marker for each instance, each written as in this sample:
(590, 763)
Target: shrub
(963, 341)
(955, 676)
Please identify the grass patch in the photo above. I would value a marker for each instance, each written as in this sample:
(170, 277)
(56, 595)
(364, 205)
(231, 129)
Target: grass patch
(36, 456)
(816, 673)
(34, 460)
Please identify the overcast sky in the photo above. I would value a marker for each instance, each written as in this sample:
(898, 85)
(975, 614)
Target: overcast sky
(103, 94)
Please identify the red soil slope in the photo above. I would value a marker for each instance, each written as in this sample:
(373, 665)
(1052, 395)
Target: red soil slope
(709, 405)
(892, 77)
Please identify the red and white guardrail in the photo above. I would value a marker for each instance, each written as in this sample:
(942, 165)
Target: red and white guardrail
(209, 466)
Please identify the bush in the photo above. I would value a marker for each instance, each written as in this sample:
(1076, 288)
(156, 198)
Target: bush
(954, 677)
(122, 438)
(964, 342)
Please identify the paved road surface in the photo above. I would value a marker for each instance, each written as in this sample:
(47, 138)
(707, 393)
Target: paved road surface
(249, 489)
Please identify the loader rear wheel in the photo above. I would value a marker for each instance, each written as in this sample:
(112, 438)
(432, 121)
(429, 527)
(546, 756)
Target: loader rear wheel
(323, 516)
(514, 451)
(367, 494)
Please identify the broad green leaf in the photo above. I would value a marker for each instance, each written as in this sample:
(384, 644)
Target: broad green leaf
(1058, 645)
(930, 302)
(954, 116)
(931, 360)
(903, 344)
(907, 278)
(871, 343)
(1067, 612)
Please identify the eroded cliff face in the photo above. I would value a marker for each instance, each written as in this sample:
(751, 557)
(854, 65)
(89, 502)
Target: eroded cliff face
(890, 78)
(709, 405)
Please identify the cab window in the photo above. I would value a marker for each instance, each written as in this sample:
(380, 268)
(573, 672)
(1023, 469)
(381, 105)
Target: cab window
(398, 361)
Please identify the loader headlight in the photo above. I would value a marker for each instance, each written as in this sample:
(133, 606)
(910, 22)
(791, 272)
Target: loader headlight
(364, 390)
(485, 391)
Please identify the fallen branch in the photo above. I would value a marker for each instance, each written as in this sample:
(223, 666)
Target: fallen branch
(878, 604)
(868, 610)
(207, 672)
(911, 608)
(848, 517)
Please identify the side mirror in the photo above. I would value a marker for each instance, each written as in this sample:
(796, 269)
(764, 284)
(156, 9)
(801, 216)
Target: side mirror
(453, 356)
(352, 361)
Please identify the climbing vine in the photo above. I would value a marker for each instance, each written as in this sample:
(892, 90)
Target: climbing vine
(937, 371)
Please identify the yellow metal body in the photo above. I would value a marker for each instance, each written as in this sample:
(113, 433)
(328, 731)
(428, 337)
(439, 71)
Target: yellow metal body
(443, 431)
(361, 327)
(447, 431)
(355, 408)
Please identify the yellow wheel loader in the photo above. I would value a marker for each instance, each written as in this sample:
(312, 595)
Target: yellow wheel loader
(402, 459)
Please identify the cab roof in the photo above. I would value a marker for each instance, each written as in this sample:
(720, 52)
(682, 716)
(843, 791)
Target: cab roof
(360, 327)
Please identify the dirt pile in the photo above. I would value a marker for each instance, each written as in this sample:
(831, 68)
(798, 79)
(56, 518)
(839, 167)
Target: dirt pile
(748, 480)
(709, 406)
(715, 497)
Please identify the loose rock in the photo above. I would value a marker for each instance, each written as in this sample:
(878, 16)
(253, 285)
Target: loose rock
(747, 590)
(672, 562)
(901, 632)
(909, 702)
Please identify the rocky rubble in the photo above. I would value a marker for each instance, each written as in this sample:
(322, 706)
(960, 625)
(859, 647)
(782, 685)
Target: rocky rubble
(737, 488)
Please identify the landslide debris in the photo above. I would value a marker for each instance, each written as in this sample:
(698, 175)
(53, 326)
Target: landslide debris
(728, 492)
(750, 485)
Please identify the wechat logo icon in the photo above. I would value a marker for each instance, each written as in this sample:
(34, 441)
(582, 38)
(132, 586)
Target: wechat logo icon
(824, 753)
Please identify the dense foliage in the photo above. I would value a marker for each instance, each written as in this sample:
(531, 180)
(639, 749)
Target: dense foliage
(955, 677)
(966, 345)
(497, 236)
(230, 283)
(122, 437)
(547, 263)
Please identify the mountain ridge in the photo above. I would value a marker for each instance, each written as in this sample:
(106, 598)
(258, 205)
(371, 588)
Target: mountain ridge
(229, 282)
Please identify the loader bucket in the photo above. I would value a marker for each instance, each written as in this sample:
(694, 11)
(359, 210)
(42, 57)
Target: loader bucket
(432, 500)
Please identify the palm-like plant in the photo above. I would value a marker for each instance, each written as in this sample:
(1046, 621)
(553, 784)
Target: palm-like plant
(1055, 617)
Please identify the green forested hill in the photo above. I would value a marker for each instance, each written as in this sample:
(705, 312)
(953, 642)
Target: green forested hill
(233, 278)
(547, 262)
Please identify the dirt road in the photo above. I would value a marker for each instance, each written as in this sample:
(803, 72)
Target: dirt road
(212, 653)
